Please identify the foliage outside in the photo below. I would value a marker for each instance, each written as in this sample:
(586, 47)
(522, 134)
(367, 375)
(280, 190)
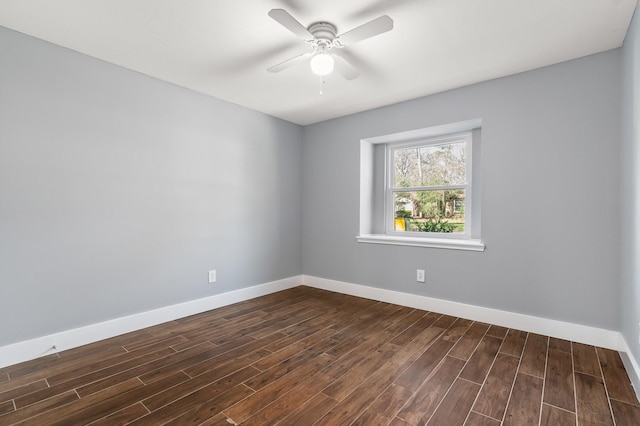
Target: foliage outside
(431, 225)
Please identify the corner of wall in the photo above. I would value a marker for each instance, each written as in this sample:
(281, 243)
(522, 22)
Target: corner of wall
(631, 365)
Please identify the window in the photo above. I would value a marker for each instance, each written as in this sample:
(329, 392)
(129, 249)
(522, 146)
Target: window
(427, 187)
(422, 187)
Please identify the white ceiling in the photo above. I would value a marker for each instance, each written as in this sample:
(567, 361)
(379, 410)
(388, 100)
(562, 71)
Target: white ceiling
(223, 48)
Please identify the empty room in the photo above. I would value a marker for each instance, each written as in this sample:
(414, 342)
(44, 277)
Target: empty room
(291, 212)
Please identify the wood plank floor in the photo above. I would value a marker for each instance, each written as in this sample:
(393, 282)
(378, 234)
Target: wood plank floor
(311, 357)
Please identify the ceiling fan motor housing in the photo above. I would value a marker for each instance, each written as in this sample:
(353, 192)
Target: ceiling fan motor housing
(324, 35)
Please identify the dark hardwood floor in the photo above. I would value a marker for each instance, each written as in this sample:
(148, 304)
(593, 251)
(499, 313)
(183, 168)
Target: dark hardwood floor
(311, 357)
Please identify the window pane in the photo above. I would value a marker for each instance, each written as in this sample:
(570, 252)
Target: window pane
(430, 165)
(429, 211)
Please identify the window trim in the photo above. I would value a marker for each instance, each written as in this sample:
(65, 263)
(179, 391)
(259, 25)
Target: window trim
(369, 189)
(442, 243)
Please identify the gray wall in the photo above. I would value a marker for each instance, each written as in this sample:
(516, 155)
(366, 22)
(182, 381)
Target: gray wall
(118, 192)
(550, 196)
(630, 190)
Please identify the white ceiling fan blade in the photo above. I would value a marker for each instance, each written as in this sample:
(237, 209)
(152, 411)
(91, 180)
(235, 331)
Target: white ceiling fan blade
(344, 67)
(289, 62)
(370, 29)
(290, 23)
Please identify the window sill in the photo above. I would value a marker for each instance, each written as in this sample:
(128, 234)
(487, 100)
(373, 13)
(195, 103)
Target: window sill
(443, 243)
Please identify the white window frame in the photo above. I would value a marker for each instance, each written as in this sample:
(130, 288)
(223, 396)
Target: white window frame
(370, 190)
(389, 209)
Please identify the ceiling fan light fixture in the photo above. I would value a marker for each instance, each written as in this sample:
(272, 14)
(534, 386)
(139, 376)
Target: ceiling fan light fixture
(322, 64)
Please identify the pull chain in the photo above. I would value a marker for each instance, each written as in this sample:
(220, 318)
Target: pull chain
(322, 81)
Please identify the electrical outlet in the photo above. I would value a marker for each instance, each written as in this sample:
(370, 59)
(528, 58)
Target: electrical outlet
(420, 275)
(212, 276)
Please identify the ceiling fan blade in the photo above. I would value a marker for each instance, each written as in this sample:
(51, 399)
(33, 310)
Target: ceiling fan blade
(372, 28)
(344, 67)
(289, 62)
(289, 22)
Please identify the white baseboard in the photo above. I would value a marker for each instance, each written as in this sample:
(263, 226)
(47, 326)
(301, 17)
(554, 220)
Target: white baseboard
(578, 333)
(30, 349)
(563, 330)
(631, 365)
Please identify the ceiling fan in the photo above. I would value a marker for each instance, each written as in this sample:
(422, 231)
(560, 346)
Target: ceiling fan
(322, 38)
